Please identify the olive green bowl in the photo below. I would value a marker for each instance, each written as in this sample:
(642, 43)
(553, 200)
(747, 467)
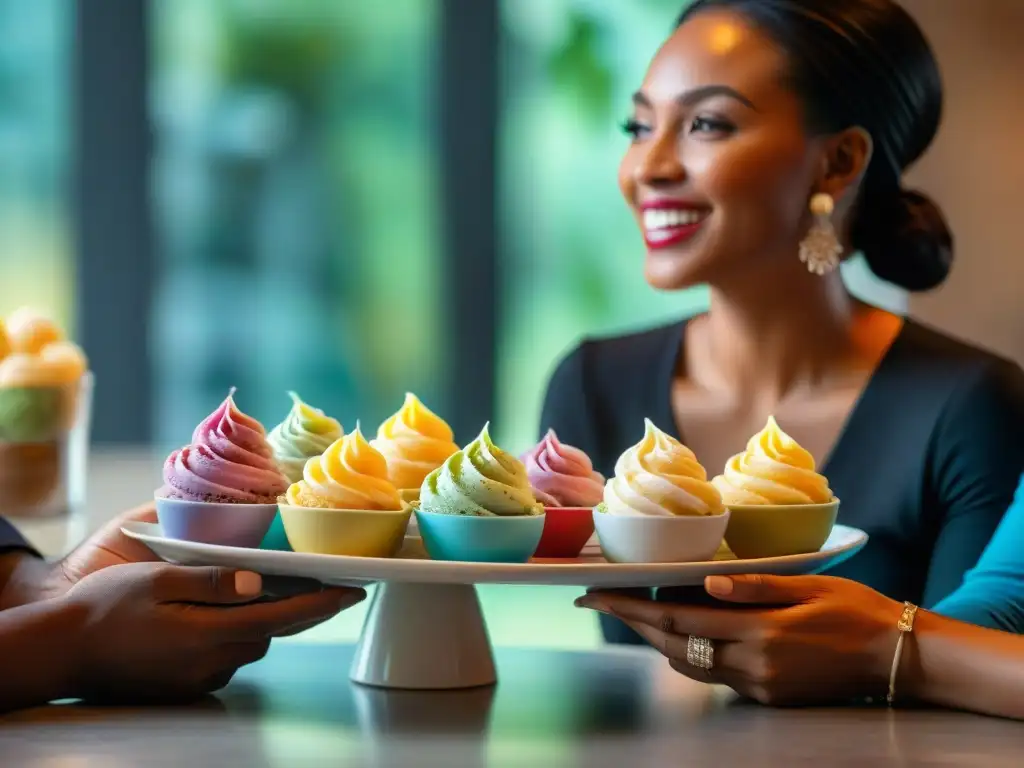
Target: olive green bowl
(772, 530)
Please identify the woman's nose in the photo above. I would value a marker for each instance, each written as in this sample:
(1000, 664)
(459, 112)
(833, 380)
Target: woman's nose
(661, 164)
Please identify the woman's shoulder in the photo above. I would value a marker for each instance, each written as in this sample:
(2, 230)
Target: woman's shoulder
(926, 343)
(970, 387)
(955, 367)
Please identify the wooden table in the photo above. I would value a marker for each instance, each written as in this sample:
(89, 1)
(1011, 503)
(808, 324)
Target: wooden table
(617, 707)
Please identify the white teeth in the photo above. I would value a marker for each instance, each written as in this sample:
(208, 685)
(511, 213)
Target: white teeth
(664, 218)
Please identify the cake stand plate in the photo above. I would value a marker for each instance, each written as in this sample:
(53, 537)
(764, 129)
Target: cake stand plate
(425, 629)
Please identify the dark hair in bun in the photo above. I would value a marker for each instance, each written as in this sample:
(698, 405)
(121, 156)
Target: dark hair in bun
(866, 63)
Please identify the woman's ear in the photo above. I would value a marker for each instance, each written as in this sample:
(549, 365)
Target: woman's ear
(846, 158)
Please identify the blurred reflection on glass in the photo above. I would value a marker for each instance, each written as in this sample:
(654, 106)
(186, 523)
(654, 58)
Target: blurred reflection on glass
(35, 253)
(296, 208)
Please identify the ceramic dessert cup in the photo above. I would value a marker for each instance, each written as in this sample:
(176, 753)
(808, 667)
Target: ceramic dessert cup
(766, 530)
(659, 539)
(229, 525)
(353, 532)
(566, 531)
(477, 539)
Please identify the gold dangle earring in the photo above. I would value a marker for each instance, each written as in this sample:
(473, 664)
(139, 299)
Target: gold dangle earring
(820, 249)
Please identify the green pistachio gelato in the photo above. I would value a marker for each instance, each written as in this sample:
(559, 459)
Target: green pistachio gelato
(30, 414)
(481, 480)
(306, 432)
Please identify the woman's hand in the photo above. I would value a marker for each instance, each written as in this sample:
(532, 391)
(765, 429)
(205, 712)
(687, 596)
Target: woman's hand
(160, 631)
(796, 639)
(32, 579)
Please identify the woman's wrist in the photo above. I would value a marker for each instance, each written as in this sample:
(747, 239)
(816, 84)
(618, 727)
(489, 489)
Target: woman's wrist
(882, 652)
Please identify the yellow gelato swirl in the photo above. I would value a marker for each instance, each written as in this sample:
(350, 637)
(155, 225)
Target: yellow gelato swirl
(774, 469)
(350, 474)
(415, 442)
(481, 480)
(660, 476)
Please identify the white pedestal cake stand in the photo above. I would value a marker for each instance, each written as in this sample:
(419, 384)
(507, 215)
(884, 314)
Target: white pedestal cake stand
(425, 629)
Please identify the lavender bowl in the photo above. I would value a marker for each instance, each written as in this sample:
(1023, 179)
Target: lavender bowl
(228, 525)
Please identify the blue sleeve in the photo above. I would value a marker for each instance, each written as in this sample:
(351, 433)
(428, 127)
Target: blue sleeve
(10, 538)
(992, 594)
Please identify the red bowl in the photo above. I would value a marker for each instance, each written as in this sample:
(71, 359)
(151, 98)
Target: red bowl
(566, 530)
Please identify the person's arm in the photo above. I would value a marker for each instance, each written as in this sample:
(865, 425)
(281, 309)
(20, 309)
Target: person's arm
(953, 664)
(977, 458)
(992, 594)
(788, 640)
(36, 657)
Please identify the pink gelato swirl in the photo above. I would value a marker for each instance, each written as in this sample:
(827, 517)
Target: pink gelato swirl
(228, 462)
(561, 475)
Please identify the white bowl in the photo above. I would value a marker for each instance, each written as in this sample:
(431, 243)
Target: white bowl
(655, 539)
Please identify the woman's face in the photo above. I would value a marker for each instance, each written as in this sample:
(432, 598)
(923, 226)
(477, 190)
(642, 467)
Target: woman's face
(720, 170)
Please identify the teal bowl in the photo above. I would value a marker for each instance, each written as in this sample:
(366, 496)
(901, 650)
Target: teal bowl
(480, 539)
(276, 539)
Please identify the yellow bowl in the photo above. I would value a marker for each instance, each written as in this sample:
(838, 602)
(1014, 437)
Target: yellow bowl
(409, 495)
(352, 532)
(776, 530)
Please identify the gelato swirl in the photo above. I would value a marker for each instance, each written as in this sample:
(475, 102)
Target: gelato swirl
(228, 461)
(415, 442)
(561, 475)
(660, 476)
(350, 474)
(30, 332)
(481, 480)
(306, 432)
(57, 365)
(774, 469)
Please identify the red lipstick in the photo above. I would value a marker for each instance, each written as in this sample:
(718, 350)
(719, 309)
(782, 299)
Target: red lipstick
(668, 222)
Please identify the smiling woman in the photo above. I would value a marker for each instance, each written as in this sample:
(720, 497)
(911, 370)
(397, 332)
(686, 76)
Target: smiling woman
(767, 136)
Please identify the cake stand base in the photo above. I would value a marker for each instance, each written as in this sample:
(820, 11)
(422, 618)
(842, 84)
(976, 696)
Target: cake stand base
(424, 636)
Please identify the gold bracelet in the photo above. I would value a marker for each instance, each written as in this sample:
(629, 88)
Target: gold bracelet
(905, 625)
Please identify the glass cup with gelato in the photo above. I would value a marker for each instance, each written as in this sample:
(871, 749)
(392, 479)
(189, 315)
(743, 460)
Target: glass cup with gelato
(779, 503)
(345, 504)
(478, 506)
(565, 482)
(660, 507)
(223, 487)
(415, 441)
(45, 407)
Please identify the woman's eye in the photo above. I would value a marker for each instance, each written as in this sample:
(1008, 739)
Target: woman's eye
(634, 128)
(710, 125)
